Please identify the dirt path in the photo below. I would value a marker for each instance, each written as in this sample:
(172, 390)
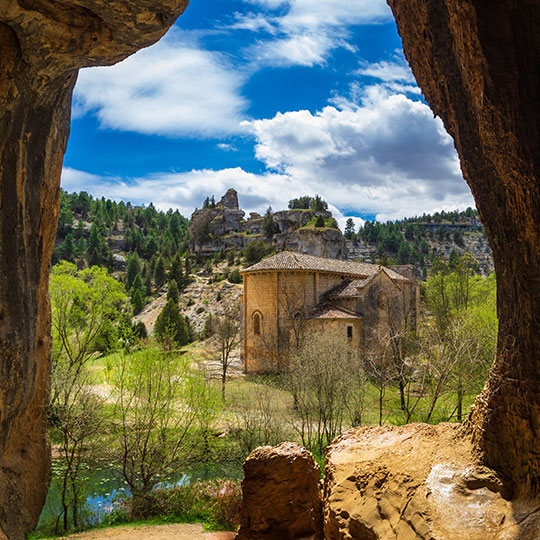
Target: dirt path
(182, 531)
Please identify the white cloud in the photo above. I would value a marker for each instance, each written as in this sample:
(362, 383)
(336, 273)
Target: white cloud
(386, 155)
(295, 50)
(306, 32)
(172, 88)
(387, 71)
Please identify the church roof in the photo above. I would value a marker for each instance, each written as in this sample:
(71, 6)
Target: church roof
(327, 311)
(290, 260)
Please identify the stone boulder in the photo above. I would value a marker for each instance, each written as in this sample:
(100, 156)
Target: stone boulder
(418, 482)
(281, 494)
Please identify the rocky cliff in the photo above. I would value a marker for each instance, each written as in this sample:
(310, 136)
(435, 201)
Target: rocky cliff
(221, 226)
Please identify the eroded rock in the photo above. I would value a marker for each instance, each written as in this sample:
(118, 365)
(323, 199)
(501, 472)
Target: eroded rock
(281, 494)
(418, 482)
(42, 45)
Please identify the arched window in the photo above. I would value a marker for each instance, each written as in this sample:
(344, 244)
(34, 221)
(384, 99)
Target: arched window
(257, 324)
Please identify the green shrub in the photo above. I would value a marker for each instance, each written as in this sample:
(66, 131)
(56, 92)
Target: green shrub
(235, 276)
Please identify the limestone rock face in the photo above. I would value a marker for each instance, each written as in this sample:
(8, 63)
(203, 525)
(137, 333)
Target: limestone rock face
(418, 482)
(319, 242)
(230, 199)
(42, 44)
(477, 64)
(281, 495)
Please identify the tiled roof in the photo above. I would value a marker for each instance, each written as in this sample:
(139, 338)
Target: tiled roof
(289, 260)
(352, 287)
(327, 311)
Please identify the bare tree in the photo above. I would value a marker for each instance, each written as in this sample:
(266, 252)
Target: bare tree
(79, 419)
(322, 377)
(226, 329)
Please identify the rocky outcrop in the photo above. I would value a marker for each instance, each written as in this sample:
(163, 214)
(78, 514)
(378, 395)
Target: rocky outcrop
(42, 46)
(417, 482)
(319, 242)
(222, 226)
(477, 64)
(281, 495)
(290, 220)
(214, 221)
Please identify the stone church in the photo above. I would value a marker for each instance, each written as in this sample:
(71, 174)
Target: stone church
(290, 292)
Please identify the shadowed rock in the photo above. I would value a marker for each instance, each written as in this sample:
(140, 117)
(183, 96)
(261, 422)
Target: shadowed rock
(42, 45)
(281, 494)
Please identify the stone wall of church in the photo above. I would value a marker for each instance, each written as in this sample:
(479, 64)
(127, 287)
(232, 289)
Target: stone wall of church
(280, 300)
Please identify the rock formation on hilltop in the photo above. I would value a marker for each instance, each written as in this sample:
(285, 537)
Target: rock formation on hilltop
(221, 226)
(42, 45)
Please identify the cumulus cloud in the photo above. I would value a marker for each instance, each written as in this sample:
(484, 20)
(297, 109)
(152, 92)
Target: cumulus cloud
(386, 155)
(173, 88)
(306, 32)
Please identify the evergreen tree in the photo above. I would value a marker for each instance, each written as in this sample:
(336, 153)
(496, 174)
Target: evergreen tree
(160, 276)
(404, 252)
(133, 269)
(171, 326)
(172, 291)
(187, 264)
(270, 227)
(137, 301)
(349, 229)
(80, 248)
(176, 270)
(319, 222)
(67, 250)
(150, 247)
(79, 232)
(137, 293)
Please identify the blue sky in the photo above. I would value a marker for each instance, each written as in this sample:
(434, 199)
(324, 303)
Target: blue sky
(276, 98)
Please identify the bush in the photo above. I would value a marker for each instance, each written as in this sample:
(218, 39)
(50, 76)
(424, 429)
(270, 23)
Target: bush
(256, 250)
(216, 502)
(235, 276)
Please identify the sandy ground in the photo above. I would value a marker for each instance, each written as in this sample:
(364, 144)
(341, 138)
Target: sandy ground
(182, 531)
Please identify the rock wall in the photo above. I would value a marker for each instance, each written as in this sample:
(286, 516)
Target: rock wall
(42, 44)
(320, 242)
(477, 64)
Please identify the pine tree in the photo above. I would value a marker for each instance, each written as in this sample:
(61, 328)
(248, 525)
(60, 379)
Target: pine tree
(319, 222)
(172, 291)
(133, 268)
(150, 247)
(349, 229)
(67, 250)
(160, 276)
(171, 326)
(176, 270)
(137, 301)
